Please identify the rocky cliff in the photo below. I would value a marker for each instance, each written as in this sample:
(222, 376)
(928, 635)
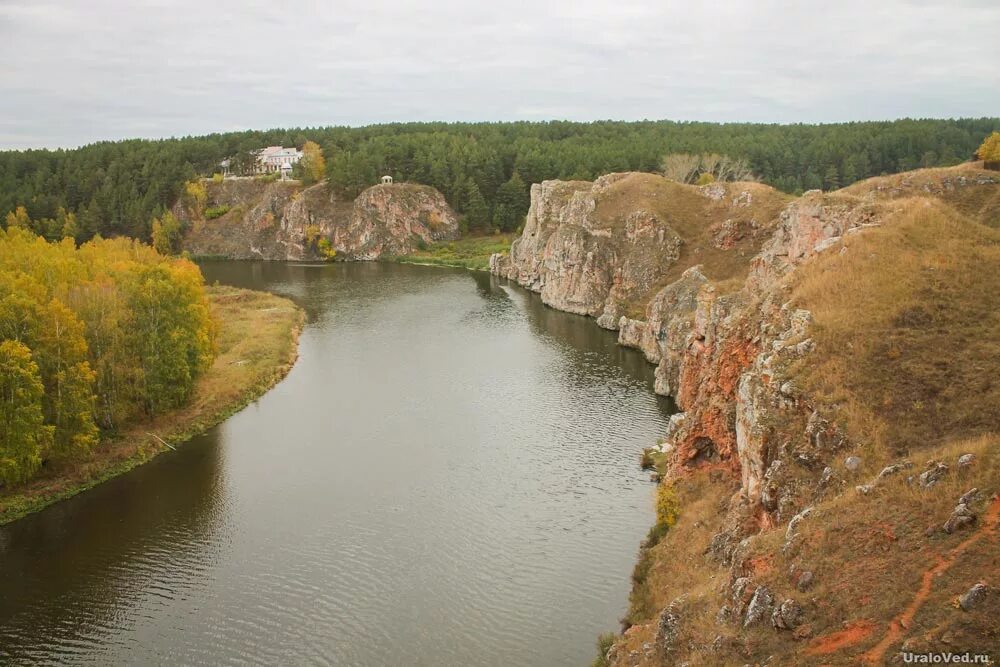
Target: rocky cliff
(835, 460)
(602, 248)
(281, 220)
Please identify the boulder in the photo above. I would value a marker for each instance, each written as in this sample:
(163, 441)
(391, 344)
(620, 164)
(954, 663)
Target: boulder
(791, 531)
(787, 616)
(760, 606)
(668, 626)
(893, 469)
(960, 517)
(935, 471)
(972, 597)
(969, 496)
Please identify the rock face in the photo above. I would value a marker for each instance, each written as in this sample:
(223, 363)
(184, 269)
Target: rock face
(581, 263)
(698, 280)
(600, 248)
(282, 221)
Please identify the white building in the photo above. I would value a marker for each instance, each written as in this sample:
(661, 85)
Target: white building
(272, 158)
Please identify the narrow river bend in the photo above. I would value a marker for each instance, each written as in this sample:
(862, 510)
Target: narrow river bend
(448, 476)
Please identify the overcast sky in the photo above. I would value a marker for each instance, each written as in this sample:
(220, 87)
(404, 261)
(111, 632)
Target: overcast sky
(73, 72)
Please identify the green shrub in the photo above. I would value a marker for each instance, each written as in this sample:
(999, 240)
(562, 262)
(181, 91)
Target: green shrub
(604, 643)
(655, 534)
(323, 245)
(213, 212)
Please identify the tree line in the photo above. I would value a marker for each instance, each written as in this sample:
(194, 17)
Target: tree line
(91, 338)
(483, 169)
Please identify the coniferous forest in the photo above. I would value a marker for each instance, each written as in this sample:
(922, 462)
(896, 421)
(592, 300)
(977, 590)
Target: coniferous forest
(483, 169)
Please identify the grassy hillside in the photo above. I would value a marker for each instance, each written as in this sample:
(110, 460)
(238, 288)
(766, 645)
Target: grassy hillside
(959, 186)
(906, 326)
(722, 225)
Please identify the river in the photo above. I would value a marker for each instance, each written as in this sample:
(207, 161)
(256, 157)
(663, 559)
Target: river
(448, 476)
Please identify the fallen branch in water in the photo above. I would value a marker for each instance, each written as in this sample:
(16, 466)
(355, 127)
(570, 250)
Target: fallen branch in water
(162, 440)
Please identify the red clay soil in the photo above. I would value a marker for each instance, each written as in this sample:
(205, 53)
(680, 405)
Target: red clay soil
(761, 565)
(899, 625)
(852, 635)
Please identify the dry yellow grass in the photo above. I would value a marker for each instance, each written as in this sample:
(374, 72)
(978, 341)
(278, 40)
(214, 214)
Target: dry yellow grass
(869, 555)
(257, 345)
(965, 187)
(906, 322)
(696, 219)
(907, 327)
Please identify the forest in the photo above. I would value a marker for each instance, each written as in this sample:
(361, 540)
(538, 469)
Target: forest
(483, 169)
(91, 338)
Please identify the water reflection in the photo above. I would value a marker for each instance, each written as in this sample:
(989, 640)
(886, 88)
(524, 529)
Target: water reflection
(448, 476)
(74, 570)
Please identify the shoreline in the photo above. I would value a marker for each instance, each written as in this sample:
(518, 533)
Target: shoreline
(244, 369)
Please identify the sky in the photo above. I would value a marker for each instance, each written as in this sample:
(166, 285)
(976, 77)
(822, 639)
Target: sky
(78, 71)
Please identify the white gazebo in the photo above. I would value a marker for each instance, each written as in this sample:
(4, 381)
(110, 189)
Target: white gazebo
(286, 171)
(387, 180)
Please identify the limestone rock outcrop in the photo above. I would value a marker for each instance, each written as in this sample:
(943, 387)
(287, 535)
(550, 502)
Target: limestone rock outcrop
(605, 248)
(700, 281)
(283, 221)
(581, 262)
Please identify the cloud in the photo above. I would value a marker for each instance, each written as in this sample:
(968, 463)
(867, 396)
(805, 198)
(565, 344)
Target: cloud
(77, 72)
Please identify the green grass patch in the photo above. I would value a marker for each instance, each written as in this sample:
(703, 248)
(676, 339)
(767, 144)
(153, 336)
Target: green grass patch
(604, 644)
(472, 252)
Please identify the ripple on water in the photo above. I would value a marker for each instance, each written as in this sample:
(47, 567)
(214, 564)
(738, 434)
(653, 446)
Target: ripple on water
(447, 477)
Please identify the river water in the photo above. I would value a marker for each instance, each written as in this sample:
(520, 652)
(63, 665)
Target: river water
(448, 476)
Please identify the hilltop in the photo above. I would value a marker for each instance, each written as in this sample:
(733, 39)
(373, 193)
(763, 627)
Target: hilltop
(829, 489)
(117, 188)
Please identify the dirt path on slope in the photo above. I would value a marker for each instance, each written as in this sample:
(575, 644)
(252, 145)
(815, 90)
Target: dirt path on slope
(899, 625)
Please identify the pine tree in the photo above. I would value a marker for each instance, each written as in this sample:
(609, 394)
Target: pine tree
(832, 179)
(512, 204)
(477, 213)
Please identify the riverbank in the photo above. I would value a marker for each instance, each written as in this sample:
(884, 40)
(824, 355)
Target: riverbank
(257, 346)
(471, 252)
(827, 488)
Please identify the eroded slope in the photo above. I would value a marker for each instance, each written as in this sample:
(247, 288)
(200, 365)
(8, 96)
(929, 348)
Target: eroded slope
(836, 459)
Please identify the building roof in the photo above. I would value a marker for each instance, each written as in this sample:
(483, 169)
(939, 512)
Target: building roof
(279, 151)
